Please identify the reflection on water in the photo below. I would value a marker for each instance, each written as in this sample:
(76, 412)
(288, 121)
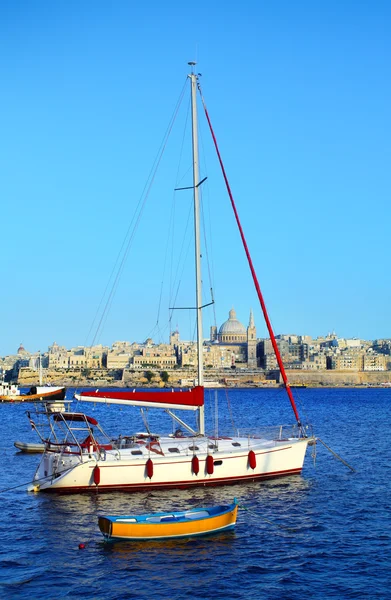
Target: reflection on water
(323, 533)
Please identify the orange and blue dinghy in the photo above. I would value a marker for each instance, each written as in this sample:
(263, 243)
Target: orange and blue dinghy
(175, 524)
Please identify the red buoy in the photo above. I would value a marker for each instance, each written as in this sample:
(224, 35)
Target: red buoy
(195, 465)
(252, 459)
(209, 464)
(149, 468)
(97, 475)
(81, 546)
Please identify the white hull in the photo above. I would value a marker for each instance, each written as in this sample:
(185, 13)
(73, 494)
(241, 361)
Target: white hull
(123, 472)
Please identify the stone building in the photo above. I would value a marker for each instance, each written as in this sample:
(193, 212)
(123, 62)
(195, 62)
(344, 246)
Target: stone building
(58, 357)
(347, 360)
(158, 356)
(233, 344)
(229, 346)
(121, 354)
(87, 358)
(22, 353)
(372, 361)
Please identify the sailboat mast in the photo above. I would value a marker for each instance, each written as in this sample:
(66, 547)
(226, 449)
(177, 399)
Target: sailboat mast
(40, 368)
(196, 181)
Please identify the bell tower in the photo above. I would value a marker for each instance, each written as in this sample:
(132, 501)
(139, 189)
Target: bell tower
(251, 343)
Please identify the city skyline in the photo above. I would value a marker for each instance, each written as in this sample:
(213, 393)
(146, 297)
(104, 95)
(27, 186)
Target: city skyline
(300, 103)
(111, 344)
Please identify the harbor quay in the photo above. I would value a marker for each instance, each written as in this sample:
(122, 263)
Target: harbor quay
(217, 378)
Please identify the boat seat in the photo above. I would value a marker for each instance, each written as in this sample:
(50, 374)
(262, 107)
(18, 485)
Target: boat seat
(162, 519)
(197, 515)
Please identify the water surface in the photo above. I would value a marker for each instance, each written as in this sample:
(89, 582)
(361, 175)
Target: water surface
(325, 534)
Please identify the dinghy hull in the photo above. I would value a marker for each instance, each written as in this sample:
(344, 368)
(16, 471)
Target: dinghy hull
(161, 526)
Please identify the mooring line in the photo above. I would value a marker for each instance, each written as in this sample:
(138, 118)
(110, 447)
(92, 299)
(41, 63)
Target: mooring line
(24, 484)
(336, 455)
(291, 529)
(35, 481)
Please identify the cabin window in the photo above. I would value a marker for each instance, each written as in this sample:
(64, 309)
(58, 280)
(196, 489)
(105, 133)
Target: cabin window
(136, 452)
(217, 463)
(212, 446)
(173, 450)
(193, 448)
(236, 444)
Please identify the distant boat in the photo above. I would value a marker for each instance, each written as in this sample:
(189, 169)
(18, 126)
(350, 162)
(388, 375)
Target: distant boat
(35, 394)
(30, 447)
(10, 392)
(207, 383)
(165, 525)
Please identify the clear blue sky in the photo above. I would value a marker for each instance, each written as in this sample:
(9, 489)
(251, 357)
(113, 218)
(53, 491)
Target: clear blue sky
(299, 95)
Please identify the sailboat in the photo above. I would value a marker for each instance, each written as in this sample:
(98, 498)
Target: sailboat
(87, 458)
(12, 393)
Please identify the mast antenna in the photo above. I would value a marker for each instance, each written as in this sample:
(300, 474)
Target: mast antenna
(192, 64)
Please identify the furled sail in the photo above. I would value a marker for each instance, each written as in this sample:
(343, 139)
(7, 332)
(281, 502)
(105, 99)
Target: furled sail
(190, 399)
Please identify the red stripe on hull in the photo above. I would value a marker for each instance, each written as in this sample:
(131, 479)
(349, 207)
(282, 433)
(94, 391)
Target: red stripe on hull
(178, 485)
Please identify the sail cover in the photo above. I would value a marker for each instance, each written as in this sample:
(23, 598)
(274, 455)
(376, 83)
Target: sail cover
(191, 399)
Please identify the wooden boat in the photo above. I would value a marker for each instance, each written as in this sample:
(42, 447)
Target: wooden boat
(30, 447)
(165, 525)
(42, 393)
(10, 392)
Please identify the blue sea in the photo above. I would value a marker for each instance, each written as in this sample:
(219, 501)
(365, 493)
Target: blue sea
(324, 534)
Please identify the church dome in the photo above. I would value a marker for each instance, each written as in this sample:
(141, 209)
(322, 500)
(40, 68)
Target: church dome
(232, 326)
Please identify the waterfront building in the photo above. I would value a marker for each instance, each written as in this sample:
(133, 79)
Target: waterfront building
(154, 361)
(119, 360)
(57, 357)
(347, 360)
(229, 346)
(372, 361)
(233, 344)
(93, 357)
(315, 362)
(121, 354)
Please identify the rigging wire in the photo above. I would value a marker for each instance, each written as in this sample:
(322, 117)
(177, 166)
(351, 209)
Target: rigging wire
(208, 262)
(183, 254)
(126, 244)
(171, 231)
(253, 273)
(230, 411)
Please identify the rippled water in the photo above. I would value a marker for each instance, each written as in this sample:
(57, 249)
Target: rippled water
(325, 534)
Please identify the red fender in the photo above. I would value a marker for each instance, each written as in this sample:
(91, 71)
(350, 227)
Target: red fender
(252, 459)
(149, 468)
(195, 465)
(96, 474)
(209, 464)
